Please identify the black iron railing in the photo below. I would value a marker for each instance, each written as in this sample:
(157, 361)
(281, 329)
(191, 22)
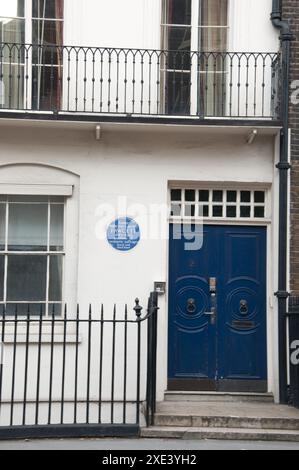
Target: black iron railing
(151, 359)
(88, 80)
(293, 316)
(76, 374)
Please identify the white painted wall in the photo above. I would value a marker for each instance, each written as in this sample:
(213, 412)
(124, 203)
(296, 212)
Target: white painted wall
(136, 24)
(113, 23)
(138, 163)
(251, 28)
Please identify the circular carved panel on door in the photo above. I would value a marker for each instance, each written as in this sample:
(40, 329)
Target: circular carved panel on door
(243, 302)
(191, 297)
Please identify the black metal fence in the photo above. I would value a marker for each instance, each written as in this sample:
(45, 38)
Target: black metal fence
(88, 80)
(293, 316)
(73, 375)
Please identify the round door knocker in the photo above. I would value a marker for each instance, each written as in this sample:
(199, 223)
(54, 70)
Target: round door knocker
(191, 305)
(243, 307)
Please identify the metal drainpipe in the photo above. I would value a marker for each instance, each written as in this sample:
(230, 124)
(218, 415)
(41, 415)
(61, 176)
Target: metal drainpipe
(283, 166)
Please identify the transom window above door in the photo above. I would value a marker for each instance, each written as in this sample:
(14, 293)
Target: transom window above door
(218, 203)
(31, 254)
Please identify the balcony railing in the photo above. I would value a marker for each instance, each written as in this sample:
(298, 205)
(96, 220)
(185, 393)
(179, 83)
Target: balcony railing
(107, 81)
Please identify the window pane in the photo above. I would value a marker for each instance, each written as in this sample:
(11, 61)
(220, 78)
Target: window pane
(217, 211)
(175, 210)
(245, 211)
(36, 199)
(12, 31)
(46, 88)
(57, 199)
(177, 39)
(189, 210)
(205, 211)
(26, 278)
(47, 33)
(13, 55)
(231, 196)
(56, 227)
(22, 309)
(190, 195)
(54, 310)
(1, 277)
(47, 9)
(2, 226)
(55, 282)
(231, 211)
(12, 86)
(28, 227)
(217, 196)
(176, 61)
(177, 93)
(204, 195)
(259, 212)
(259, 196)
(176, 195)
(178, 12)
(245, 196)
(12, 8)
(213, 13)
(213, 39)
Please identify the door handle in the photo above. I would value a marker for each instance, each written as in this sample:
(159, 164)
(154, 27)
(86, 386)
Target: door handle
(212, 313)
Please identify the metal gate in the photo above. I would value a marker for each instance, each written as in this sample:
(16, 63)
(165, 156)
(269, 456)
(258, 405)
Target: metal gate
(79, 374)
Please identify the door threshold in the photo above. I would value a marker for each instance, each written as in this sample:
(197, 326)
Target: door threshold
(220, 386)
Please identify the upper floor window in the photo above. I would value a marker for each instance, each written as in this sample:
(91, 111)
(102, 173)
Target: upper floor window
(193, 82)
(195, 25)
(31, 254)
(37, 22)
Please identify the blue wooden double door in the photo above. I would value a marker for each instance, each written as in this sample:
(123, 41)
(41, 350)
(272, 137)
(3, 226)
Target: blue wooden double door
(217, 310)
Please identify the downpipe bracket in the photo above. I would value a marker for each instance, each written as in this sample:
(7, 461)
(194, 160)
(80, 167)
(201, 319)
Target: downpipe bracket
(283, 166)
(281, 294)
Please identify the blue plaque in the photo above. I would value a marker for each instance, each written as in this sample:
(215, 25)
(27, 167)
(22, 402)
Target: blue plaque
(123, 234)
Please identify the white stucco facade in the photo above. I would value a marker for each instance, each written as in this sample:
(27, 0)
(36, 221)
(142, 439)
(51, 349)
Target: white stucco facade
(135, 165)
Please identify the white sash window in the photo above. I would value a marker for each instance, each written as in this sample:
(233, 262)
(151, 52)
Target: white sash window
(32, 251)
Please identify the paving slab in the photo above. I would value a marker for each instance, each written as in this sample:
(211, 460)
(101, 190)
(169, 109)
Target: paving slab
(144, 444)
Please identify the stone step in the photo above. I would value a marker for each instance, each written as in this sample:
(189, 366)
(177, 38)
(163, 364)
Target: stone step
(218, 396)
(220, 433)
(181, 420)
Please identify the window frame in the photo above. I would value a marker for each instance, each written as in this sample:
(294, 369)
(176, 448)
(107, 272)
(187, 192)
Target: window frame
(28, 64)
(224, 188)
(48, 254)
(195, 72)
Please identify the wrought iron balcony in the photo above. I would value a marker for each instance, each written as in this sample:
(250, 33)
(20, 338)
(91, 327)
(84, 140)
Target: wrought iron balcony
(87, 81)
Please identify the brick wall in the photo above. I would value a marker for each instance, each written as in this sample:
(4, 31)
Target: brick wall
(291, 12)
